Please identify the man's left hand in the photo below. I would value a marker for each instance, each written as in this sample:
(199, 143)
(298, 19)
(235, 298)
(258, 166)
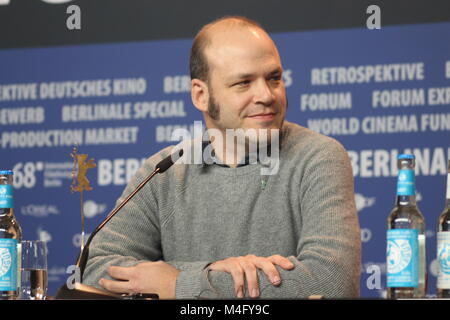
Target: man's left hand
(146, 277)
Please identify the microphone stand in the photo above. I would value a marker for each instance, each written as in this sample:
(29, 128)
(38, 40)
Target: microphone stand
(83, 291)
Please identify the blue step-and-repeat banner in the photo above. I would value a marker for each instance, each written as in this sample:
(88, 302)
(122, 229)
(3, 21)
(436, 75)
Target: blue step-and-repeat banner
(379, 92)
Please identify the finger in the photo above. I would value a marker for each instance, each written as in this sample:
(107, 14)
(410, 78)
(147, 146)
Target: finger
(238, 278)
(232, 267)
(252, 278)
(268, 267)
(219, 266)
(283, 262)
(120, 273)
(115, 286)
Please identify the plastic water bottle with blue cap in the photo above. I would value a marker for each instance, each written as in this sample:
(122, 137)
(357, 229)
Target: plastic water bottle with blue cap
(10, 238)
(406, 259)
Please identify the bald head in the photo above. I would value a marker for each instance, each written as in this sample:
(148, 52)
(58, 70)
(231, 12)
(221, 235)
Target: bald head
(216, 33)
(236, 76)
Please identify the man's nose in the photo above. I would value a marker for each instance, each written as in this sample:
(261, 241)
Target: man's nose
(264, 93)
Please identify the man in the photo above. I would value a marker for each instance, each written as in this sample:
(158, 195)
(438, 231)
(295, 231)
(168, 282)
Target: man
(221, 229)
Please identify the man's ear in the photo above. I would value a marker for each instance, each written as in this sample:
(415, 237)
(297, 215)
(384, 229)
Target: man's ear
(200, 94)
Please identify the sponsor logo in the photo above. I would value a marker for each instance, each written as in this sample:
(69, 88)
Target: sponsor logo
(76, 239)
(39, 210)
(5, 261)
(91, 208)
(399, 254)
(444, 258)
(44, 235)
(366, 235)
(56, 274)
(363, 202)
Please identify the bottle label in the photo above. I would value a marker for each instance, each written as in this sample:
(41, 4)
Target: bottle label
(443, 255)
(405, 183)
(6, 196)
(8, 265)
(403, 258)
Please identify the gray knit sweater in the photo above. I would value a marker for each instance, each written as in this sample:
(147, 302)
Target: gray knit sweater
(193, 215)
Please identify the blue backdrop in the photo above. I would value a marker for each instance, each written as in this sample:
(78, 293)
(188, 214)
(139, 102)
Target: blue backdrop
(379, 92)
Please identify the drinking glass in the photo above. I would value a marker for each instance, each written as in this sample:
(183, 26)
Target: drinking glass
(34, 270)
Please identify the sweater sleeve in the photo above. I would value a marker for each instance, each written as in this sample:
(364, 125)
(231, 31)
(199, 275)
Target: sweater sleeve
(131, 236)
(329, 248)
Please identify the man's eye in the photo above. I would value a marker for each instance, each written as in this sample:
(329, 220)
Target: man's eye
(276, 78)
(243, 83)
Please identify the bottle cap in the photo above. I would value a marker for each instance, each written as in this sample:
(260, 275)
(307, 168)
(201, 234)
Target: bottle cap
(6, 172)
(406, 156)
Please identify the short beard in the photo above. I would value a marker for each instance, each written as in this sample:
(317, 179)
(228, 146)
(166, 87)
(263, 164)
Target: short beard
(213, 106)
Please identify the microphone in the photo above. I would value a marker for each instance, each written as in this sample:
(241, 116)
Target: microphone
(82, 291)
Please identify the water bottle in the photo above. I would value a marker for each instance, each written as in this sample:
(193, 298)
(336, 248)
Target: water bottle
(406, 260)
(10, 237)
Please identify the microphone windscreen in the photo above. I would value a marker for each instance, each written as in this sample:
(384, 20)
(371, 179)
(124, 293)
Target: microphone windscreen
(167, 162)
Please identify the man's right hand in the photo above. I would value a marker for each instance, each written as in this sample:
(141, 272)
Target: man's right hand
(242, 268)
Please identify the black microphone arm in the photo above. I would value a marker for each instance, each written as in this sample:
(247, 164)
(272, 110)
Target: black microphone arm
(161, 167)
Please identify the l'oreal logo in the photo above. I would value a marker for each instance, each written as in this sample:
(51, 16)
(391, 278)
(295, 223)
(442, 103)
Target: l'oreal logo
(6, 2)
